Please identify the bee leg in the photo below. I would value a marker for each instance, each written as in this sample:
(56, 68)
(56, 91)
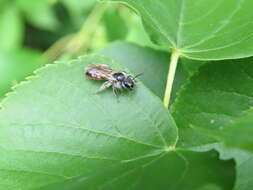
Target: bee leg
(115, 92)
(104, 86)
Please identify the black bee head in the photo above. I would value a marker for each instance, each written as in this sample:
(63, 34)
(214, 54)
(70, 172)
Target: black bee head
(129, 82)
(126, 81)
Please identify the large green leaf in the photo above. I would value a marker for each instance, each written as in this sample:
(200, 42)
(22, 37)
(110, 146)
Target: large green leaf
(244, 170)
(214, 98)
(200, 29)
(215, 106)
(183, 170)
(238, 133)
(56, 134)
(244, 163)
(58, 117)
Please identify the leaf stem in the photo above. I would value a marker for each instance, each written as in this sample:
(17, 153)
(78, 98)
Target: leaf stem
(170, 78)
(83, 38)
(75, 43)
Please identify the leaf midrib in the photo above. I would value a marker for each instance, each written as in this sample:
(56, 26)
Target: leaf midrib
(180, 23)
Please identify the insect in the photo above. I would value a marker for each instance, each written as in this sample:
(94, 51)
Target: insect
(115, 79)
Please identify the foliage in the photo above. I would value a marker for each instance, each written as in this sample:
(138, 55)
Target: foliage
(55, 133)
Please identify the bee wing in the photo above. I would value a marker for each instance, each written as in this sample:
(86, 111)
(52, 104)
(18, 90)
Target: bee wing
(99, 72)
(103, 67)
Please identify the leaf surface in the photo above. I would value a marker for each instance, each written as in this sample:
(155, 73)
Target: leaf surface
(184, 170)
(216, 106)
(214, 98)
(243, 159)
(209, 29)
(56, 134)
(56, 128)
(217, 102)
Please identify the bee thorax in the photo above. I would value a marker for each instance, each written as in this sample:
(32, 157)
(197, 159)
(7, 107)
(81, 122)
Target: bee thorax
(118, 85)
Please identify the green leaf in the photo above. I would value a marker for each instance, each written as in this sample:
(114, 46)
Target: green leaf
(15, 66)
(55, 133)
(40, 13)
(215, 106)
(2, 3)
(58, 121)
(215, 103)
(190, 65)
(244, 163)
(238, 133)
(210, 29)
(153, 63)
(189, 173)
(137, 33)
(78, 11)
(244, 170)
(114, 24)
(11, 28)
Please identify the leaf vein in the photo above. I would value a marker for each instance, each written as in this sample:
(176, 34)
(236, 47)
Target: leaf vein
(34, 172)
(221, 27)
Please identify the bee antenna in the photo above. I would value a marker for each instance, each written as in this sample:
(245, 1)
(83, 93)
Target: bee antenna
(138, 75)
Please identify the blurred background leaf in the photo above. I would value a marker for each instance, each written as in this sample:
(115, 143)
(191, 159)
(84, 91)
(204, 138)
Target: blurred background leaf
(78, 11)
(11, 27)
(39, 13)
(16, 65)
(116, 27)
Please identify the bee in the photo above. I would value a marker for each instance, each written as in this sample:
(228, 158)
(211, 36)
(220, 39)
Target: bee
(115, 79)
